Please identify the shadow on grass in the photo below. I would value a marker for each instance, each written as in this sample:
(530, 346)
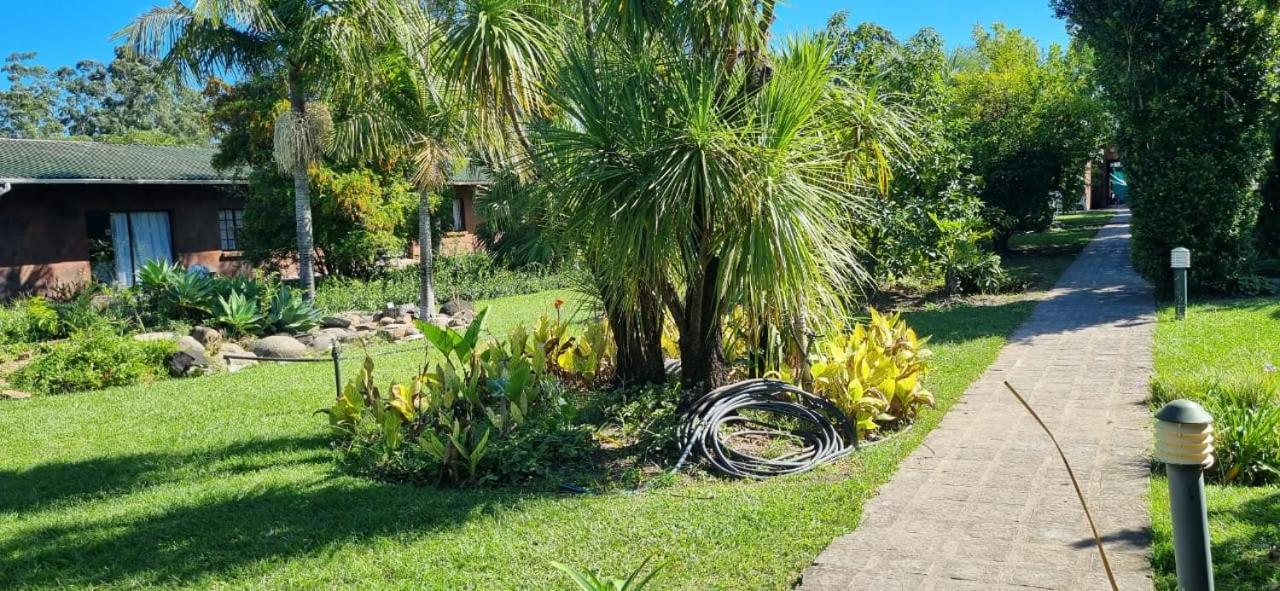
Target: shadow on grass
(212, 531)
(959, 324)
(1245, 538)
(48, 485)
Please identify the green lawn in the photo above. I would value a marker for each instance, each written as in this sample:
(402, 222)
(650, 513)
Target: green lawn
(1222, 338)
(226, 482)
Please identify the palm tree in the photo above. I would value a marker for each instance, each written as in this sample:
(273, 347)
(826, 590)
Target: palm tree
(499, 52)
(405, 107)
(308, 43)
(714, 188)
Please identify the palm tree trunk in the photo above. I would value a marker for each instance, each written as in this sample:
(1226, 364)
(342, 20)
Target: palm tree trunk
(427, 286)
(302, 200)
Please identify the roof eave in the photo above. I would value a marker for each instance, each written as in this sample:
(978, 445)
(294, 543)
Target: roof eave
(30, 181)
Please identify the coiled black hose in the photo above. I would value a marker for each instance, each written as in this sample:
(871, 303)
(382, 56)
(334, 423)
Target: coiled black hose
(825, 432)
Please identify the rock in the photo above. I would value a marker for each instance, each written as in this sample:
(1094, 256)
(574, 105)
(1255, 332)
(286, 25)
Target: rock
(341, 335)
(14, 395)
(100, 301)
(411, 330)
(190, 359)
(458, 322)
(409, 310)
(322, 343)
(365, 326)
(385, 320)
(336, 322)
(206, 336)
(455, 306)
(233, 365)
(279, 347)
(156, 336)
(393, 332)
(441, 320)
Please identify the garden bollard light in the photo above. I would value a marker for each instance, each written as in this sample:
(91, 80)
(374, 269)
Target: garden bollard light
(1184, 442)
(337, 370)
(1180, 261)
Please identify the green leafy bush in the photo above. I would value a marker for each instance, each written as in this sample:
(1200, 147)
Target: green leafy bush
(477, 412)
(238, 314)
(1192, 89)
(29, 320)
(93, 360)
(873, 372)
(290, 313)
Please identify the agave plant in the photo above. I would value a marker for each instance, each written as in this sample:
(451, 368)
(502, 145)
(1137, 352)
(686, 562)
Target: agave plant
(290, 313)
(239, 314)
(155, 275)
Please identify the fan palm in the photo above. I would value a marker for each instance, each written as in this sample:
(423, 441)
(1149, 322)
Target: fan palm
(309, 43)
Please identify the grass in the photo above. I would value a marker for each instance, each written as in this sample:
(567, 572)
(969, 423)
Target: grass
(226, 482)
(1040, 257)
(1218, 340)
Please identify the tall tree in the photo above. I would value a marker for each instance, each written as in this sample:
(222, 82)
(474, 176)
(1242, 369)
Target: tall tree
(1032, 121)
(27, 107)
(1191, 84)
(307, 43)
(131, 97)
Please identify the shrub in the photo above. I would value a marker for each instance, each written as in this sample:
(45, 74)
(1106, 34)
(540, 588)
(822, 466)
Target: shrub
(1246, 431)
(238, 314)
(93, 360)
(29, 320)
(590, 581)
(290, 313)
(1192, 89)
(873, 372)
(475, 413)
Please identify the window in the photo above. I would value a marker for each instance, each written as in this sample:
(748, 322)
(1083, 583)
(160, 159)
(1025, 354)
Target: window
(230, 221)
(458, 224)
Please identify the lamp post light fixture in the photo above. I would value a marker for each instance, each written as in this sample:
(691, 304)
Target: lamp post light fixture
(1180, 261)
(1184, 442)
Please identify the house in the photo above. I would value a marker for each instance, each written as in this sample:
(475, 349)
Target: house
(73, 210)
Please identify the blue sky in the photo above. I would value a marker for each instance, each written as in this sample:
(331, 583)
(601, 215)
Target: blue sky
(65, 31)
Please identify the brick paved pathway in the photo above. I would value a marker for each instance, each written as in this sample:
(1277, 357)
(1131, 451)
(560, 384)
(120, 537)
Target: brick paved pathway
(985, 503)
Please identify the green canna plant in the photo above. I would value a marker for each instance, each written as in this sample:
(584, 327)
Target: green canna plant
(442, 425)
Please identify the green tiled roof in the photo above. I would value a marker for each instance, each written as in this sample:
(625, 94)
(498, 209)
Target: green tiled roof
(55, 160)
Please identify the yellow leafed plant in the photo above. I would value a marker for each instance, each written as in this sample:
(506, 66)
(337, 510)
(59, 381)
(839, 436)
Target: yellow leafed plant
(873, 372)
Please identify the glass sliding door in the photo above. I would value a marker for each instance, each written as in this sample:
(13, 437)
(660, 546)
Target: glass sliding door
(138, 237)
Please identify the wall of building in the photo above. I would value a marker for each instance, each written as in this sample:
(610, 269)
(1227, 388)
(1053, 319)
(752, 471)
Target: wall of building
(464, 241)
(44, 239)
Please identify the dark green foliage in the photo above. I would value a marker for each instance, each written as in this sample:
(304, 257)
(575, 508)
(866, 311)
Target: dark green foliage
(241, 304)
(130, 100)
(1190, 83)
(360, 216)
(93, 360)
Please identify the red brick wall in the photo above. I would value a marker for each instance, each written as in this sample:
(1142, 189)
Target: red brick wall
(466, 240)
(43, 234)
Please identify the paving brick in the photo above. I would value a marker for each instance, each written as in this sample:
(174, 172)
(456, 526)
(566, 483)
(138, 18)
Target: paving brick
(986, 503)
